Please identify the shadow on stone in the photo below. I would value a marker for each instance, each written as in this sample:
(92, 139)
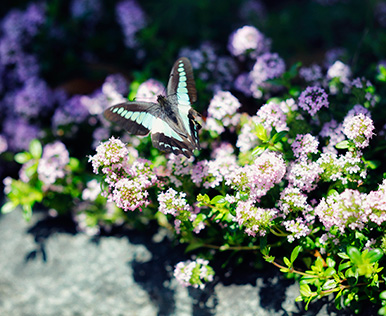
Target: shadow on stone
(44, 228)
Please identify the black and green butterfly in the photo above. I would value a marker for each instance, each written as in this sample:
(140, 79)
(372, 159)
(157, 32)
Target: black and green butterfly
(171, 121)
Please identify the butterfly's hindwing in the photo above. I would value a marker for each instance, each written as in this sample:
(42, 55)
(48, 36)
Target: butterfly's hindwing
(169, 144)
(135, 117)
(194, 127)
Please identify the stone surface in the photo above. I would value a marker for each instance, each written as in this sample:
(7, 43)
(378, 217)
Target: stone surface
(47, 269)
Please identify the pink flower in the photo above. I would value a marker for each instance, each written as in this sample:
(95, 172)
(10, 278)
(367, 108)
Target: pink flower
(149, 90)
(343, 211)
(257, 179)
(53, 162)
(255, 220)
(358, 128)
(193, 273)
(304, 145)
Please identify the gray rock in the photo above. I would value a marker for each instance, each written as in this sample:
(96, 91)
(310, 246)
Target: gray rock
(47, 269)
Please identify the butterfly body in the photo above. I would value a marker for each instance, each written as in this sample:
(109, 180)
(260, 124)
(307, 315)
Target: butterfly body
(171, 120)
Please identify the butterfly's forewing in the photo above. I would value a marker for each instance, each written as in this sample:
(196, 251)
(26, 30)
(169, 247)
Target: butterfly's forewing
(181, 82)
(182, 93)
(135, 117)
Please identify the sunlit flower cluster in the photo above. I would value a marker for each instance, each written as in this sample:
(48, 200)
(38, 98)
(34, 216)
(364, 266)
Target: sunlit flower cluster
(193, 273)
(255, 220)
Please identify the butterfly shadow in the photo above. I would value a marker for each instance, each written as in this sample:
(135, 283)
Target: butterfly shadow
(45, 227)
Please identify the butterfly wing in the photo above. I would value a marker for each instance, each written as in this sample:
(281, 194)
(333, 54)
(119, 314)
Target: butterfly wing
(135, 117)
(182, 93)
(140, 118)
(181, 82)
(172, 121)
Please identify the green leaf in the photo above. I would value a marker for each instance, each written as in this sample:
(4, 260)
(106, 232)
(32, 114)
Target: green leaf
(374, 255)
(258, 150)
(23, 157)
(279, 136)
(343, 255)
(305, 290)
(382, 296)
(35, 148)
(373, 164)
(8, 207)
(261, 133)
(193, 246)
(329, 271)
(355, 255)
(74, 164)
(344, 266)
(330, 262)
(330, 284)
(203, 198)
(27, 212)
(287, 262)
(295, 253)
(218, 199)
(343, 144)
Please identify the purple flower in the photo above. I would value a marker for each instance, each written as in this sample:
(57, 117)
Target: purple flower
(72, 111)
(19, 133)
(88, 9)
(243, 84)
(33, 99)
(21, 26)
(380, 13)
(333, 55)
(358, 128)
(52, 165)
(149, 90)
(334, 131)
(193, 273)
(248, 41)
(359, 109)
(255, 220)
(132, 19)
(304, 145)
(267, 66)
(117, 83)
(312, 99)
(3, 144)
(312, 73)
(252, 9)
(109, 156)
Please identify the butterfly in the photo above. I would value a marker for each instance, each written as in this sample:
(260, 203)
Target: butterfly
(171, 121)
